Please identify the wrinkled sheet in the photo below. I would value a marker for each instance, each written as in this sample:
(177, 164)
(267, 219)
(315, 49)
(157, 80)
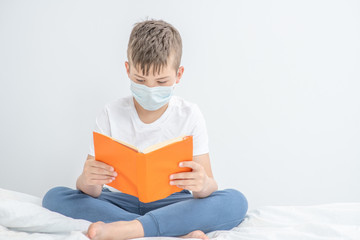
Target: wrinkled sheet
(22, 217)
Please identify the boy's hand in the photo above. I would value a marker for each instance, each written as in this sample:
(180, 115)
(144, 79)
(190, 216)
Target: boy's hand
(97, 173)
(194, 181)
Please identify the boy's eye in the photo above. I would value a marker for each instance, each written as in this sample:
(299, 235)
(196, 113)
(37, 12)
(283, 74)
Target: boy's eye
(161, 82)
(139, 80)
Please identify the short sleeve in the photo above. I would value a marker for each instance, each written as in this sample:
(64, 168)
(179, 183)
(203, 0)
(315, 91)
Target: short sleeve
(200, 135)
(102, 125)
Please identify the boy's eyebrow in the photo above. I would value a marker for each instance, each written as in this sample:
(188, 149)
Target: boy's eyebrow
(138, 76)
(155, 79)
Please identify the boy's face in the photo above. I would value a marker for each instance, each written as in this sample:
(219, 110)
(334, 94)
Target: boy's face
(167, 76)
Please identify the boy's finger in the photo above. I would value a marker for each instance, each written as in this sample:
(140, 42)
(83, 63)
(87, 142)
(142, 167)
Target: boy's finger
(102, 165)
(101, 176)
(101, 182)
(190, 164)
(102, 171)
(184, 175)
(182, 182)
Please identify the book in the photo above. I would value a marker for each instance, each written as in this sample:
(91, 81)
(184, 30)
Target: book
(145, 173)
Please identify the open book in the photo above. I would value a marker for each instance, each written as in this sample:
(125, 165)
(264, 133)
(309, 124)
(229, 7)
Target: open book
(144, 174)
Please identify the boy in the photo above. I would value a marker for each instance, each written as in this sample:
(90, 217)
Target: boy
(151, 115)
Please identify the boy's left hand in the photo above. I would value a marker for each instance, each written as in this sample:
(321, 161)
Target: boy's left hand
(193, 181)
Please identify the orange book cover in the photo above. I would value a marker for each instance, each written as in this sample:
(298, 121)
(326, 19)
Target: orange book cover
(144, 174)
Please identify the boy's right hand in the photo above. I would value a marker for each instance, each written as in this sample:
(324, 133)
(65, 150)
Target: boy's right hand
(97, 173)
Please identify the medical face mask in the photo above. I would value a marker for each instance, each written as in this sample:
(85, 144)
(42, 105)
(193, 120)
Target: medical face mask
(151, 98)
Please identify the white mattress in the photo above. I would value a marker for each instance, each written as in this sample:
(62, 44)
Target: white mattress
(22, 217)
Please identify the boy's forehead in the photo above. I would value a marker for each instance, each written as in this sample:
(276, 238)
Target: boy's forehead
(165, 70)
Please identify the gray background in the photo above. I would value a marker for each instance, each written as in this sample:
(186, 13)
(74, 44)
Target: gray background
(277, 82)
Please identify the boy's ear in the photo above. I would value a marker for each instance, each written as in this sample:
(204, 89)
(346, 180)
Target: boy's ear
(179, 74)
(127, 66)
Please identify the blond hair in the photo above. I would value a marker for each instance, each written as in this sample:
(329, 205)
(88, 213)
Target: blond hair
(153, 43)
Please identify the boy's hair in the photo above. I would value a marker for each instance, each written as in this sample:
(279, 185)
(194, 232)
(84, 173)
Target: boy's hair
(152, 43)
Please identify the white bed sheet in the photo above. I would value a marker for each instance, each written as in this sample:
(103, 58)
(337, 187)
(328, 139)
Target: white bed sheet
(22, 217)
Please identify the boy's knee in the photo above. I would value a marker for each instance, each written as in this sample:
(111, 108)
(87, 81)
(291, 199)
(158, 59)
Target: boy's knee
(236, 202)
(236, 195)
(54, 196)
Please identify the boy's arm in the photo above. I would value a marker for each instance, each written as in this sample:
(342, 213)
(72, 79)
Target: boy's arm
(94, 176)
(210, 185)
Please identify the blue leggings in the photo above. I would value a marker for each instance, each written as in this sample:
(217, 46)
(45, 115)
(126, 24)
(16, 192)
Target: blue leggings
(175, 215)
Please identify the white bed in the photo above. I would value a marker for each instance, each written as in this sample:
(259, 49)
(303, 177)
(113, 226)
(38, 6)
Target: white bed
(22, 217)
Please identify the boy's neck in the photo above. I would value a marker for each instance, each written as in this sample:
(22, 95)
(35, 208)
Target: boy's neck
(147, 116)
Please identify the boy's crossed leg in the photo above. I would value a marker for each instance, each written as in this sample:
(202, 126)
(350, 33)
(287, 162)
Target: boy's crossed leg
(177, 215)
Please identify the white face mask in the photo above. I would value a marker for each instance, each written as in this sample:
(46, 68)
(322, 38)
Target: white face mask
(151, 98)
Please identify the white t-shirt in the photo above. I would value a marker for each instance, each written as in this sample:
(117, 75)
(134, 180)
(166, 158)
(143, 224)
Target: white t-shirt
(119, 119)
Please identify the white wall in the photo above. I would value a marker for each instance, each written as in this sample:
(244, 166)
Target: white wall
(277, 81)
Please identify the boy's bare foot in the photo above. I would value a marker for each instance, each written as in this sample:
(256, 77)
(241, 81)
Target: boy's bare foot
(196, 234)
(115, 231)
(127, 230)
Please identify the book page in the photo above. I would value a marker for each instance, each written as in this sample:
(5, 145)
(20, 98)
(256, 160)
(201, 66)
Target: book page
(124, 143)
(163, 144)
